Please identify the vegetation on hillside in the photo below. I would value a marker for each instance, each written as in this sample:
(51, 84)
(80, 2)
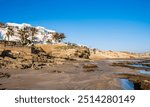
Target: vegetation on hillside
(27, 34)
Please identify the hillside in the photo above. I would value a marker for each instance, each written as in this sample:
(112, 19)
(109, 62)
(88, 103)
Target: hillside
(41, 34)
(98, 54)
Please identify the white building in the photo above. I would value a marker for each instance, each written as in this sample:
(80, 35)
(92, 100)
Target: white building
(42, 36)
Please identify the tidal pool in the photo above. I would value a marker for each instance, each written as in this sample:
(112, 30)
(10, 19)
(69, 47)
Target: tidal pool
(126, 84)
(144, 72)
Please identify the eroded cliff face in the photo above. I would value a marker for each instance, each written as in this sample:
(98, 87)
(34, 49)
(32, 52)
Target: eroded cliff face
(17, 56)
(37, 56)
(65, 51)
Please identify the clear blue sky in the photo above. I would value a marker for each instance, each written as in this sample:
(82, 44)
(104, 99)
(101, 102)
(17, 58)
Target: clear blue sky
(105, 24)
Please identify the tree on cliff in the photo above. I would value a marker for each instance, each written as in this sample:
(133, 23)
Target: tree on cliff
(61, 37)
(10, 32)
(33, 32)
(24, 35)
(58, 37)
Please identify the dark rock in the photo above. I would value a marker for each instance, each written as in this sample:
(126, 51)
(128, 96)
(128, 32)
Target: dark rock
(4, 75)
(141, 82)
(90, 66)
(57, 71)
(3, 88)
(89, 70)
(7, 53)
(130, 65)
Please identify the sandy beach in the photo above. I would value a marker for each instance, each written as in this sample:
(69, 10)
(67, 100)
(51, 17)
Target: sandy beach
(68, 76)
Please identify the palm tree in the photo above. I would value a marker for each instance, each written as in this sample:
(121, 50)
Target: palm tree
(61, 37)
(21, 33)
(55, 36)
(24, 34)
(33, 32)
(10, 32)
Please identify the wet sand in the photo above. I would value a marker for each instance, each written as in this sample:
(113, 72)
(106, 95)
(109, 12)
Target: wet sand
(68, 76)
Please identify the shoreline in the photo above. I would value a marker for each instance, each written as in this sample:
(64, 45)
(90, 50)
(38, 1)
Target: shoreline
(72, 75)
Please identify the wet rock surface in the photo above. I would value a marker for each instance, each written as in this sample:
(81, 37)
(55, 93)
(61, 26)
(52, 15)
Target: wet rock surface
(141, 82)
(141, 77)
(138, 65)
(89, 67)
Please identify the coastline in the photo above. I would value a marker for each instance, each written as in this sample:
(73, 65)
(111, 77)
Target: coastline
(68, 76)
(64, 67)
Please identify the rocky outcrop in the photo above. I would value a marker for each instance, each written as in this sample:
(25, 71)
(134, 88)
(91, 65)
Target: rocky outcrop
(141, 82)
(9, 63)
(39, 55)
(15, 58)
(82, 53)
(65, 51)
(4, 75)
(89, 67)
(137, 65)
